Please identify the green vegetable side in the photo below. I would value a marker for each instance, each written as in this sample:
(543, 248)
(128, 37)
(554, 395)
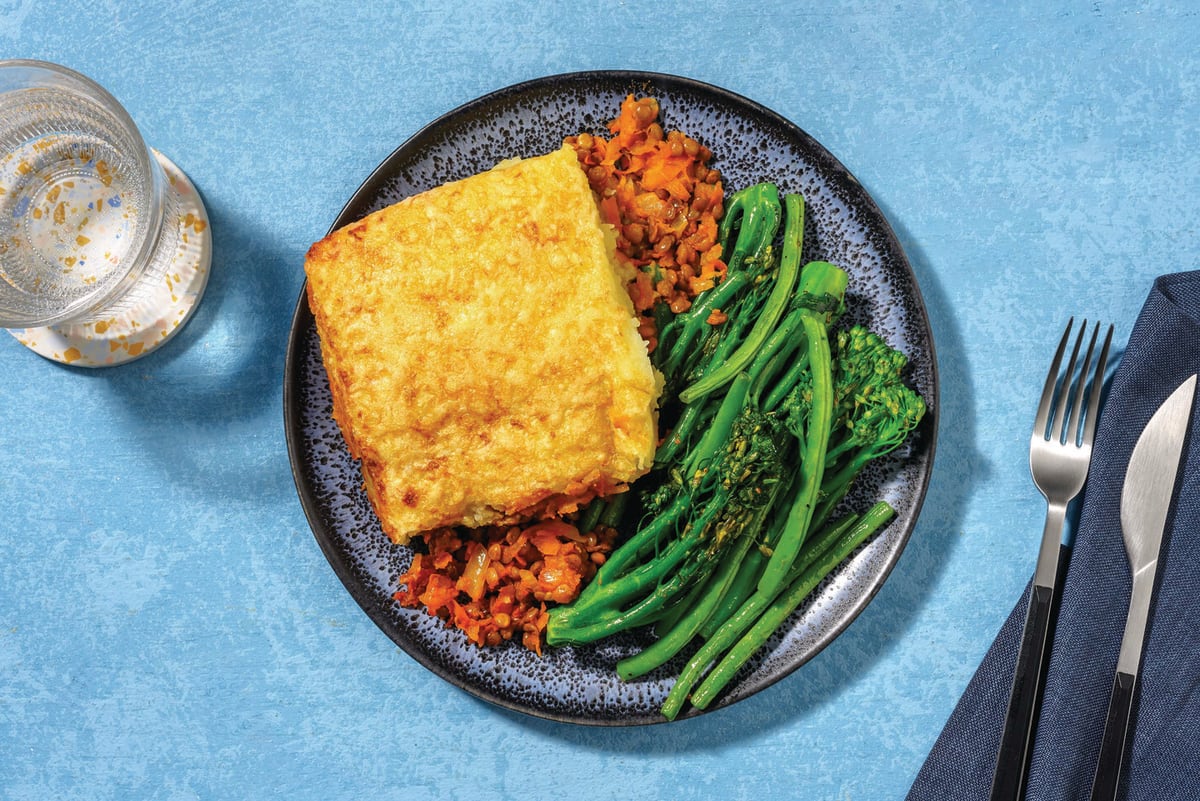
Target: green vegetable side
(776, 412)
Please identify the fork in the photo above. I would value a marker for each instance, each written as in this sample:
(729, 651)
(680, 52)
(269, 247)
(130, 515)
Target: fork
(1060, 450)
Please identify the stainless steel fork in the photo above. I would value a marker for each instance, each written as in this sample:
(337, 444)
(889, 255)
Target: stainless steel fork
(1060, 451)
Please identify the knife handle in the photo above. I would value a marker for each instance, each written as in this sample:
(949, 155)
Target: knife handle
(1112, 746)
(1012, 761)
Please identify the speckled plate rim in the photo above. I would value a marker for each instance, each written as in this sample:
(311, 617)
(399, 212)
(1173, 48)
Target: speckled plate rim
(379, 609)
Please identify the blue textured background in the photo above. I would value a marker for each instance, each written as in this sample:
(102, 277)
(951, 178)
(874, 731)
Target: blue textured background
(168, 626)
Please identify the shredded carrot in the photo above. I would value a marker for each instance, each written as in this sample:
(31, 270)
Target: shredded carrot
(657, 190)
(497, 583)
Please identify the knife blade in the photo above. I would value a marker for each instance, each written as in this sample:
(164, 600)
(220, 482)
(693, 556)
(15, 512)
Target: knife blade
(1145, 501)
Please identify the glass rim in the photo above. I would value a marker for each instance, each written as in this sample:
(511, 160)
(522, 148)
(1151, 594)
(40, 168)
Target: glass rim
(110, 102)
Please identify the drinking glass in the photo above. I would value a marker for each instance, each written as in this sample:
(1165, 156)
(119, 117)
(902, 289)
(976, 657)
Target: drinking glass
(104, 243)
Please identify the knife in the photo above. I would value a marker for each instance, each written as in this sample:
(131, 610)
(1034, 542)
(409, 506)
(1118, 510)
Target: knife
(1145, 501)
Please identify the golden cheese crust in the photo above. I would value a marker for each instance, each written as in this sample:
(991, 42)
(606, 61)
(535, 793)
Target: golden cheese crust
(482, 351)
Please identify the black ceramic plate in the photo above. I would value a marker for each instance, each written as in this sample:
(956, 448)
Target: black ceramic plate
(750, 143)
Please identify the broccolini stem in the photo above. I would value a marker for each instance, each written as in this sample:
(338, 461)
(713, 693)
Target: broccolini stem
(735, 207)
(613, 583)
(603, 512)
(817, 279)
(621, 587)
(646, 538)
(614, 510)
(693, 414)
(680, 434)
(741, 588)
(748, 612)
(710, 444)
(776, 305)
(640, 613)
(834, 487)
(673, 354)
(798, 589)
(672, 614)
(718, 433)
(788, 381)
(685, 628)
(590, 516)
(746, 581)
(779, 349)
(756, 213)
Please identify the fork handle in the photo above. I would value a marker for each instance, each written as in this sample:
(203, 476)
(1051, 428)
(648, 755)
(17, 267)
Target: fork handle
(1016, 743)
(1112, 746)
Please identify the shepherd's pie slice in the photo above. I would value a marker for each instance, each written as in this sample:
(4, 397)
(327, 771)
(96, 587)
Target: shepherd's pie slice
(482, 352)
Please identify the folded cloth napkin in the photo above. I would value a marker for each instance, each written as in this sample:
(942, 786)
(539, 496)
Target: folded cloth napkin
(1163, 757)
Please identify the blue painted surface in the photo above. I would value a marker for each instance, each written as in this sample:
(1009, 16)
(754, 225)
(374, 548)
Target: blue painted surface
(168, 626)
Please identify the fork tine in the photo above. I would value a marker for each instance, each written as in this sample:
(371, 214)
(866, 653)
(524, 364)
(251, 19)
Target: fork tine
(1058, 424)
(1089, 428)
(1042, 420)
(1075, 429)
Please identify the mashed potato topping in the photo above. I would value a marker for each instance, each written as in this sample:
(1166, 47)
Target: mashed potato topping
(483, 352)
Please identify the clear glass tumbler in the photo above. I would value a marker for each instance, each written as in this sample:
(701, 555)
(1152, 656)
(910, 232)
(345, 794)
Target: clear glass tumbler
(104, 243)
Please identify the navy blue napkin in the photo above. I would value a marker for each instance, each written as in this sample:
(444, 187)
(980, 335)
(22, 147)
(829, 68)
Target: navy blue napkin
(1163, 759)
